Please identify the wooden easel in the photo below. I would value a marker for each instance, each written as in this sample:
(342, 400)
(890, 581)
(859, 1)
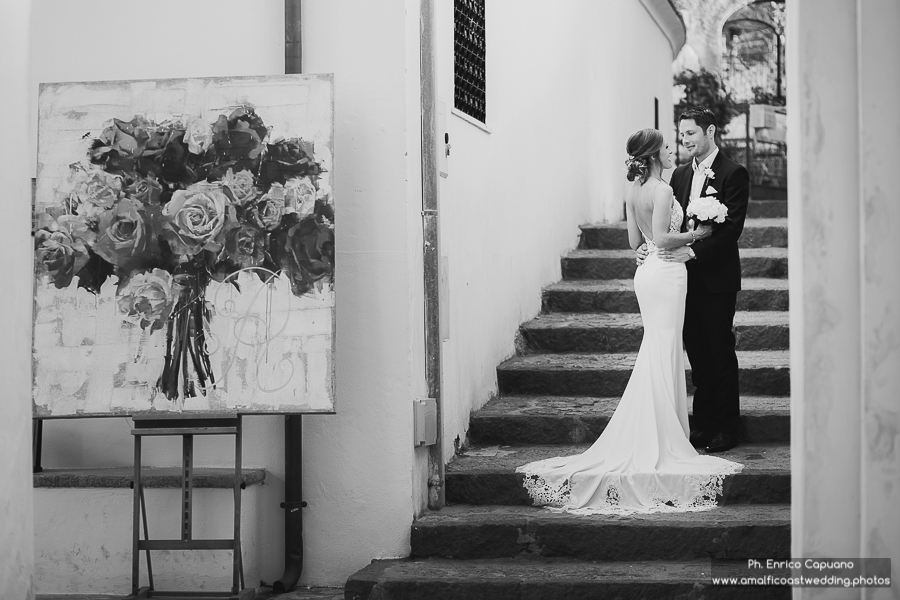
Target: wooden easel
(187, 428)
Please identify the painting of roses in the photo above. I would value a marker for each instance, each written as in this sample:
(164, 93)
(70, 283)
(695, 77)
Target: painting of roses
(184, 247)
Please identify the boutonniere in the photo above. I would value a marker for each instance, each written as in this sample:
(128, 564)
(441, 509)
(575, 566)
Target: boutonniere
(711, 191)
(710, 174)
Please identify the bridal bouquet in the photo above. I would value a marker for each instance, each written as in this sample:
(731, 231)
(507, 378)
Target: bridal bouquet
(167, 207)
(707, 210)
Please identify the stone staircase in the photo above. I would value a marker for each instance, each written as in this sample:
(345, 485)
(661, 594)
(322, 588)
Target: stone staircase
(555, 398)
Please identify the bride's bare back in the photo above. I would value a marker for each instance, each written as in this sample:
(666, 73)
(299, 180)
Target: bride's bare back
(640, 198)
(649, 209)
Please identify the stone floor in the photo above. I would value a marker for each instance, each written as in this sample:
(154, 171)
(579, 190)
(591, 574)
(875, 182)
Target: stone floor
(304, 594)
(299, 593)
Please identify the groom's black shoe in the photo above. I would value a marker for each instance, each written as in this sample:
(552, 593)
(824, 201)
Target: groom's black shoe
(721, 442)
(700, 439)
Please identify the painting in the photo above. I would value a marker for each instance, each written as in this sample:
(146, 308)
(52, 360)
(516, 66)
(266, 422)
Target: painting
(184, 247)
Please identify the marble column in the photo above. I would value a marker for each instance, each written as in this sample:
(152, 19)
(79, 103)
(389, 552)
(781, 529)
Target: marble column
(843, 155)
(16, 530)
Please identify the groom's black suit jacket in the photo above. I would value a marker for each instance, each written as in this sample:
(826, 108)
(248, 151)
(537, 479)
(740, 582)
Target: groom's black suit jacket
(718, 265)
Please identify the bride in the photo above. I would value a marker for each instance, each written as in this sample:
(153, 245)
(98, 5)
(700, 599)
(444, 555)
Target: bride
(643, 461)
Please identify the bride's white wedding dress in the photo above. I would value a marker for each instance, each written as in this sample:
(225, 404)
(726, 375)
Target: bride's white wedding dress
(643, 461)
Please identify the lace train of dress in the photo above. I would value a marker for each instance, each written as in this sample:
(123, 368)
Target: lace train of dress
(643, 461)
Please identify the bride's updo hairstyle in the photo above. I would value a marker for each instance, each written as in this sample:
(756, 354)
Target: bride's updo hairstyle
(643, 152)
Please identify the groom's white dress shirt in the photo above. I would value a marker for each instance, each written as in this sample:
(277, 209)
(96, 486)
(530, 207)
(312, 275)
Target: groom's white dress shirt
(699, 175)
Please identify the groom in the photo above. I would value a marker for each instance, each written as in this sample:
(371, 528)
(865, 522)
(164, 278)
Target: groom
(714, 278)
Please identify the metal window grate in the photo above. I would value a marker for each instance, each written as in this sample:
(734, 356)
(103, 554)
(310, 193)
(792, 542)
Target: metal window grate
(468, 58)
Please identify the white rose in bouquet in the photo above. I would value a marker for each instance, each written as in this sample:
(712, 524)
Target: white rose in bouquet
(707, 209)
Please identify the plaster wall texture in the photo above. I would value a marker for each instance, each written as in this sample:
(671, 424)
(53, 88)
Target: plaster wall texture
(824, 282)
(100, 563)
(622, 95)
(16, 513)
(559, 112)
(879, 85)
(358, 464)
(844, 143)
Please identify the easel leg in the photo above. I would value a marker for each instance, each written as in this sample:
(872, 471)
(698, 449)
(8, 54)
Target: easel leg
(238, 575)
(187, 486)
(136, 515)
(146, 537)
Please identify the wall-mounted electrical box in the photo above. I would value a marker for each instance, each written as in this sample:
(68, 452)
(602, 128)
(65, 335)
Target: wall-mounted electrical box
(426, 421)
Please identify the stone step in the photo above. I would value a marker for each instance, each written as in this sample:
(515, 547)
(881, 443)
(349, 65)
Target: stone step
(764, 233)
(758, 233)
(761, 191)
(767, 209)
(573, 420)
(550, 579)
(617, 296)
(622, 332)
(620, 264)
(605, 375)
(486, 474)
(733, 531)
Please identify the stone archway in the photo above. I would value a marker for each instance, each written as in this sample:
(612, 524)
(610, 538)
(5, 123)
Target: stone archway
(753, 65)
(703, 20)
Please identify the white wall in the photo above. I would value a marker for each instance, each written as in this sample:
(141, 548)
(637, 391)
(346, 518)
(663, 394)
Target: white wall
(843, 148)
(824, 282)
(83, 540)
(632, 65)
(358, 464)
(559, 109)
(16, 547)
(879, 86)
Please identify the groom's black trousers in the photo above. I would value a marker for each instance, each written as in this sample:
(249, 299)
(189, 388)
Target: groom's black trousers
(709, 342)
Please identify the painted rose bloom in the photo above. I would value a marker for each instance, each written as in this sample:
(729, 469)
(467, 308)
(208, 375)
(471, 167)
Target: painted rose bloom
(159, 210)
(194, 218)
(240, 186)
(300, 196)
(148, 298)
(124, 234)
(93, 191)
(61, 249)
